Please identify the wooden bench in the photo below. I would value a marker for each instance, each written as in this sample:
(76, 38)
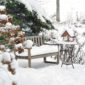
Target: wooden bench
(39, 41)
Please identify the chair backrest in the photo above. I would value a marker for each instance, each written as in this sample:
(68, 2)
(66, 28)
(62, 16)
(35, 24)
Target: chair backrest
(37, 40)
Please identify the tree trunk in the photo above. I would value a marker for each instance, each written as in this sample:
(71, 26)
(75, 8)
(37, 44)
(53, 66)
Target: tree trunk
(58, 10)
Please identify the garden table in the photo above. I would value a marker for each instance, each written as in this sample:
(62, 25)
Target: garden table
(65, 51)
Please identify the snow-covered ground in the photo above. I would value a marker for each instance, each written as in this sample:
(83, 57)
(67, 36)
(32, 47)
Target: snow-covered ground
(44, 74)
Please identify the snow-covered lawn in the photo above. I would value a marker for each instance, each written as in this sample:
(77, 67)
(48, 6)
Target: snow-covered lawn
(44, 74)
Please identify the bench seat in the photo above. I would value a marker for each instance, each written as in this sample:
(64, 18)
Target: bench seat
(39, 52)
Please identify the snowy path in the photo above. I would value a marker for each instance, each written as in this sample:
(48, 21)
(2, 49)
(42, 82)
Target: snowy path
(46, 74)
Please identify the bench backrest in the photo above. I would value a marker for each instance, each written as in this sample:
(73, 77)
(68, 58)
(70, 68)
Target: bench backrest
(37, 40)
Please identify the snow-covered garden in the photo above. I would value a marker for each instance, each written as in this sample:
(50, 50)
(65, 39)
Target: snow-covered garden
(23, 59)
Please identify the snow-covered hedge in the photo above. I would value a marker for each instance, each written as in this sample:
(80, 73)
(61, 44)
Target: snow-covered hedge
(50, 34)
(2, 8)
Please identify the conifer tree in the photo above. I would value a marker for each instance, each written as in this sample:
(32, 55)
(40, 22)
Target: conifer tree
(29, 21)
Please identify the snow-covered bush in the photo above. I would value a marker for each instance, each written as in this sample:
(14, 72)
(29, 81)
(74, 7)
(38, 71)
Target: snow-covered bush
(8, 35)
(9, 59)
(0, 58)
(14, 64)
(80, 54)
(6, 57)
(49, 34)
(12, 56)
(2, 8)
(18, 46)
(80, 48)
(3, 17)
(21, 34)
(2, 47)
(11, 41)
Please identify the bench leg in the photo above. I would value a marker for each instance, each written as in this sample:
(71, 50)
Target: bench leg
(57, 59)
(29, 58)
(45, 59)
(29, 63)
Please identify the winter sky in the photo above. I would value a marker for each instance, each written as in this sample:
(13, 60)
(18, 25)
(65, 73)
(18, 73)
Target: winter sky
(69, 8)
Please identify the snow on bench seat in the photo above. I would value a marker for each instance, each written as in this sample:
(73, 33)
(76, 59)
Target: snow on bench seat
(43, 51)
